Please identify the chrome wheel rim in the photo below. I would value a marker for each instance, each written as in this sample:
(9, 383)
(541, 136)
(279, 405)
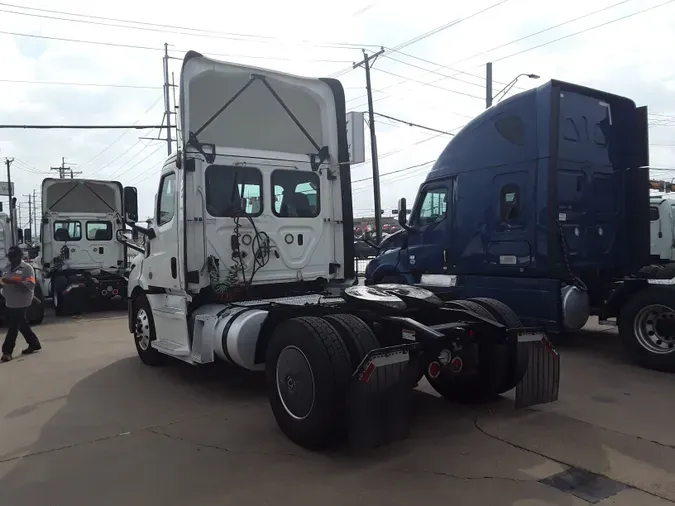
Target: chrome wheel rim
(295, 382)
(649, 332)
(142, 333)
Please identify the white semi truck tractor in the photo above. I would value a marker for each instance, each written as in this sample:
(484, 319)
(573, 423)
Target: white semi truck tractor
(249, 261)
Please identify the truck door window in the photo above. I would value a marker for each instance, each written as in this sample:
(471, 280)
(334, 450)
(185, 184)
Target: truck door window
(296, 194)
(434, 206)
(99, 231)
(509, 203)
(653, 214)
(165, 204)
(232, 189)
(67, 230)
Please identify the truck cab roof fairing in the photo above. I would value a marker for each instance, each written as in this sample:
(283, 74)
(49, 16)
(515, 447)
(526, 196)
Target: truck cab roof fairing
(262, 110)
(81, 196)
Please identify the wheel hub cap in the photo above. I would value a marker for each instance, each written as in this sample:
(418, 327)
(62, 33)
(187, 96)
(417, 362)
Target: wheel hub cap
(654, 329)
(295, 382)
(142, 333)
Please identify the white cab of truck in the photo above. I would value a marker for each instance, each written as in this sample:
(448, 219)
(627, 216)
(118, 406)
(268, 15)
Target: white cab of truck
(662, 226)
(253, 204)
(79, 224)
(273, 184)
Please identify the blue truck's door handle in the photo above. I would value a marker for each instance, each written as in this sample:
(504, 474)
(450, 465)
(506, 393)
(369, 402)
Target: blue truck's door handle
(174, 268)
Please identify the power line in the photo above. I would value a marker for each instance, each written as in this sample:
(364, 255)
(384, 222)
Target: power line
(396, 171)
(405, 122)
(448, 66)
(79, 127)
(428, 34)
(150, 48)
(121, 136)
(98, 85)
(642, 11)
(173, 29)
(137, 164)
(429, 84)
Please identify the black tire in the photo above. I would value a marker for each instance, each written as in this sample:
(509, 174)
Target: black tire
(36, 311)
(58, 284)
(483, 384)
(506, 316)
(641, 339)
(392, 278)
(308, 351)
(144, 333)
(358, 337)
(650, 271)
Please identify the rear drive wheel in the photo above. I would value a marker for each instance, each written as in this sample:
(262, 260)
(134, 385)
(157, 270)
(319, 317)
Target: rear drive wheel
(36, 311)
(485, 382)
(144, 333)
(504, 314)
(646, 323)
(356, 334)
(307, 371)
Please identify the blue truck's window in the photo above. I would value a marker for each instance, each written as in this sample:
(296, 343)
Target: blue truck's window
(512, 129)
(509, 205)
(223, 199)
(296, 194)
(167, 191)
(99, 231)
(653, 213)
(434, 206)
(67, 230)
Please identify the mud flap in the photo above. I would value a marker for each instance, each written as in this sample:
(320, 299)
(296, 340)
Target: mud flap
(541, 382)
(379, 398)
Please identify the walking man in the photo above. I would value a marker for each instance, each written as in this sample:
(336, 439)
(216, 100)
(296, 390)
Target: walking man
(19, 285)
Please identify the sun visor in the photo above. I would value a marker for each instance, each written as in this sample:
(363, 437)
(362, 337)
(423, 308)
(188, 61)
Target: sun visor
(236, 106)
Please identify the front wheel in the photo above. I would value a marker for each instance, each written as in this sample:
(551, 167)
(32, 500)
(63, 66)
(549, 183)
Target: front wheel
(144, 333)
(647, 328)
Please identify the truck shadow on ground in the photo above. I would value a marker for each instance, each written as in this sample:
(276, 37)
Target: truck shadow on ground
(128, 415)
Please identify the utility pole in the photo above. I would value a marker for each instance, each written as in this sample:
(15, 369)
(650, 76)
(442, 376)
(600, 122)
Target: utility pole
(63, 170)
(366, 62)
(12, 228)
(488, 84)
(30, 214)
(167, 102)
(35, 217)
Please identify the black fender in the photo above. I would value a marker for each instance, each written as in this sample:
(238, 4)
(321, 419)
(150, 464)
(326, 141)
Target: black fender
(618, 297)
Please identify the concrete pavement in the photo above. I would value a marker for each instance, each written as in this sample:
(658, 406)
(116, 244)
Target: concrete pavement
(84, 422)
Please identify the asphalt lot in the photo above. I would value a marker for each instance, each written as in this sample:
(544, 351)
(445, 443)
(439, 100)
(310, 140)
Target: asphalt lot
(84, 422)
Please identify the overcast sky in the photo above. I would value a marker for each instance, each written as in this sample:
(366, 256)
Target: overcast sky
(437, 81)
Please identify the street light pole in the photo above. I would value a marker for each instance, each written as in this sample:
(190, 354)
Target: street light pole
(510, 85)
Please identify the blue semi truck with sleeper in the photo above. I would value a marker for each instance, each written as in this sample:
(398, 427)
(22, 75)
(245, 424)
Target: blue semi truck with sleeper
(542, 202)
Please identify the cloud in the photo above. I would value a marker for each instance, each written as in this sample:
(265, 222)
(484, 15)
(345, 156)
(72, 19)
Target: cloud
(629, 57)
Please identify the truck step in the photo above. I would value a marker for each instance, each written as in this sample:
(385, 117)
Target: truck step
(170, 348)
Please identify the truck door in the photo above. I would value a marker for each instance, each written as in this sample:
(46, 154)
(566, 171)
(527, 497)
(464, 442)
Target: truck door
(163, 261)
(428, 242)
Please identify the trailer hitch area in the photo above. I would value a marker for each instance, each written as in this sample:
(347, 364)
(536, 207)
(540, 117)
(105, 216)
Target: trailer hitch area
(379, 396)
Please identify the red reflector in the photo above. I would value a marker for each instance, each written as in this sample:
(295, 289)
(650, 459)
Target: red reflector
(366, 374)
(434, 369)
(457, 364)
(472, 333)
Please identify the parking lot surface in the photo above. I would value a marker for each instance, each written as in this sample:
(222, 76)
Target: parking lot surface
(83, 422)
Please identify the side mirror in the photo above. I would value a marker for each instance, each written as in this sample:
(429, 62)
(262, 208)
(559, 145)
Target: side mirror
(27, 235)
(402, 212)
(130, 204)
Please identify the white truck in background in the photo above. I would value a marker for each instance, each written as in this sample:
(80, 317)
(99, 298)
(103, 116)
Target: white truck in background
(82, 266)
